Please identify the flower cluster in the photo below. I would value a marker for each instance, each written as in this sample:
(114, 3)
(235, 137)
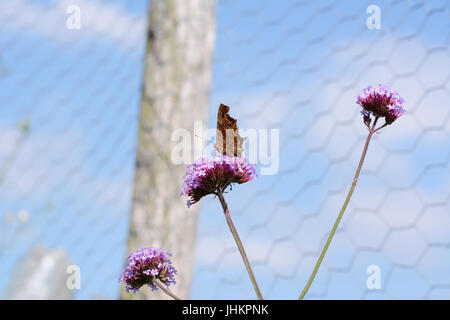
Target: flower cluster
(146, 265)
(208, 176)
(382, 102)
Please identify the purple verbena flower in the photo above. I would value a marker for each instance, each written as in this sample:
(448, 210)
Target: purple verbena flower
(144, 266)
(380, 101)
(207, 176)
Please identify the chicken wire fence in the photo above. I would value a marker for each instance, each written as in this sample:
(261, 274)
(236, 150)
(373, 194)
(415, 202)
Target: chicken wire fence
(68, 119)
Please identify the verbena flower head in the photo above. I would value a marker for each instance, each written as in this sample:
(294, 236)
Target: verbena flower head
(380, 101)
(144, 266)
(207, 176)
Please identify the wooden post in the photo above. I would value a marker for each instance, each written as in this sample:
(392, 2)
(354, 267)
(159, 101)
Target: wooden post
(181, 38)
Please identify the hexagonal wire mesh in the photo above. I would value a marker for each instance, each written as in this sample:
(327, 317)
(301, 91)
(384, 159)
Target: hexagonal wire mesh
(68, 153)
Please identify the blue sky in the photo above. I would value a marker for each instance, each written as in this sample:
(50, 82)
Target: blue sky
(295, 66)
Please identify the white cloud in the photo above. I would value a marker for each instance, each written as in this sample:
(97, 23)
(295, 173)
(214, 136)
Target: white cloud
(45, 164)
(100, 21)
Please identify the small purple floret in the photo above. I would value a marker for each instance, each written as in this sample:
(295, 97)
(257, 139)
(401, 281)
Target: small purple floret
(381, 101)
(207, 176)
(144, 266)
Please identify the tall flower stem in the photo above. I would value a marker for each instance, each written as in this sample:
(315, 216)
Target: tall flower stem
(239, 243)
(166, 291)
(372, 130)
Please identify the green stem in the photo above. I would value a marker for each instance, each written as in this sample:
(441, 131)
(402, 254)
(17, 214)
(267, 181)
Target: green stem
(341, 213)
(165, 290)
(239, 244)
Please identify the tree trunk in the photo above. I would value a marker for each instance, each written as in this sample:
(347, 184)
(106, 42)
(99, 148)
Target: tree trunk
(181, 37)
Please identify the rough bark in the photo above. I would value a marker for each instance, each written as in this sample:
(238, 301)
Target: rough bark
(181, 37)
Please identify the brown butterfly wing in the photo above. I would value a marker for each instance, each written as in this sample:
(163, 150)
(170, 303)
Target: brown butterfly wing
(227, 135)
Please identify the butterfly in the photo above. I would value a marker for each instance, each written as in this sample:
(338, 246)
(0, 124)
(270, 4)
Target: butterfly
(228, 140)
